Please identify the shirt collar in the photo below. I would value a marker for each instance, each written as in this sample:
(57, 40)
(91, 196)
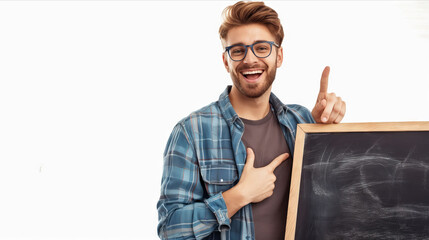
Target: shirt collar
(231, 116)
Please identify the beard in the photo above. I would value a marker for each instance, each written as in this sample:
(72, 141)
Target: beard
(253, 90)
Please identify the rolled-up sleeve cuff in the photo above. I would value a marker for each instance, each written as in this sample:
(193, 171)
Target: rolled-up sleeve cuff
(217, 205)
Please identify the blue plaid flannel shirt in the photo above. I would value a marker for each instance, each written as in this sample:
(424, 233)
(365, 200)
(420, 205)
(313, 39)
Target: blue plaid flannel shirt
(204, 157)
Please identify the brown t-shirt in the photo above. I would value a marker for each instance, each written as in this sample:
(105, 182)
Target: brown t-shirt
(267, 141)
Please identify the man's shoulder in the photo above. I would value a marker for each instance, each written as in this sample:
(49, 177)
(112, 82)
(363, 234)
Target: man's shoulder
(291, 111)
(300, 112)
(204, 123)
(208, 112)
(297, 108)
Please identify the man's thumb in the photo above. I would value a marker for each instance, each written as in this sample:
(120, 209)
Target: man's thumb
(250, 160)
(320, 106)
(323, 103)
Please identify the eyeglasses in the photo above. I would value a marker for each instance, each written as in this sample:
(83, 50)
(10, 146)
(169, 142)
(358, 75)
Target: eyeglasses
(238, 52)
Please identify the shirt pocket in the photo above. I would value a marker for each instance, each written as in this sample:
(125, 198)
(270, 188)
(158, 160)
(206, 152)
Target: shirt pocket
(219, 177)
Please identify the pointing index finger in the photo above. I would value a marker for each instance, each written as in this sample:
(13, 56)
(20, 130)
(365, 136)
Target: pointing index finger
(277, 161)
(324, 80)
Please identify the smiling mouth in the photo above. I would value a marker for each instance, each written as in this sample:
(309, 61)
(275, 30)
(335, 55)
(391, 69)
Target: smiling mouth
(252, 76)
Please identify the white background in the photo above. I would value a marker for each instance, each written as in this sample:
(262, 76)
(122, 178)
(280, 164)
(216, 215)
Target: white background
(89, 92)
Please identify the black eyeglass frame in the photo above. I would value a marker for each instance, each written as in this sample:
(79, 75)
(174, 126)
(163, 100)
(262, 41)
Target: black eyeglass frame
(251, 48)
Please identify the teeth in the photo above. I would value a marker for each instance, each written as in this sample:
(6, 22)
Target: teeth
(252, 72)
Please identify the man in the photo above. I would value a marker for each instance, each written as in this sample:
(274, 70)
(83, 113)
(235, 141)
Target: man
(225, 170)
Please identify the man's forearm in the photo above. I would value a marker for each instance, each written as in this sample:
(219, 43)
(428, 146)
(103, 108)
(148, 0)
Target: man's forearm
(234, 200)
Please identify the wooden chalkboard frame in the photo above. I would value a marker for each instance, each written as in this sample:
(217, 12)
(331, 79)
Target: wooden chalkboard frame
(303, 129)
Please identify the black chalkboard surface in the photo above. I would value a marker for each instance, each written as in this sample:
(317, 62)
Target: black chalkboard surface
(360, 181)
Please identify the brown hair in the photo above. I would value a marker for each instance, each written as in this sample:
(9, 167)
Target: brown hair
(242, 13)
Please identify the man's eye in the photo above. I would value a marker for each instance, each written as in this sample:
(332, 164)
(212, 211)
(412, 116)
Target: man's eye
(237, 51)
(261, 49)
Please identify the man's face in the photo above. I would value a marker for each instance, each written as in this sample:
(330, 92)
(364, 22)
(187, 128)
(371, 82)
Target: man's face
(252, 76)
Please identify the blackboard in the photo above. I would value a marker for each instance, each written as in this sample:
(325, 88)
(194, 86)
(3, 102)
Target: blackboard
(360, 181)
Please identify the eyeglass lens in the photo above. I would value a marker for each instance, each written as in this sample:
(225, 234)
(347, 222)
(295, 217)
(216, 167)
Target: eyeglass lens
(261, 50)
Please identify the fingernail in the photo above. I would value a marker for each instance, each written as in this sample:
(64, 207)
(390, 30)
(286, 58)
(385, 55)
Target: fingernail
(324, 119)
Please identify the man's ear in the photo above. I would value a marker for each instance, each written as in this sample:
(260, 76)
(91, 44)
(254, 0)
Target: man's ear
(225, 61)
(279, 56)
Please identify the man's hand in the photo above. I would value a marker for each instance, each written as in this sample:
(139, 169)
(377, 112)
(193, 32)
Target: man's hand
(255, 185)
(329, 108)
(258, 183)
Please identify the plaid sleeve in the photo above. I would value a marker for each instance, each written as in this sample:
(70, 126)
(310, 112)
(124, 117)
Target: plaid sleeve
(184, 211)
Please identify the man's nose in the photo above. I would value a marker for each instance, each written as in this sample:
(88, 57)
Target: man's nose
(250, 56)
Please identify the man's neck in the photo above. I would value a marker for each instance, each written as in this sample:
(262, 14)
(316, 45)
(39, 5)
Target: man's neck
(250, 108)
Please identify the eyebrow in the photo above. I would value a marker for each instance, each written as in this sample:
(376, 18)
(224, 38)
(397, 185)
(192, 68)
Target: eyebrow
(251, 43)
